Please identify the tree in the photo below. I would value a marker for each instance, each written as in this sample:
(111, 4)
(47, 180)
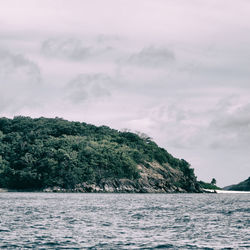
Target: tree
(213, 181)
(45, 152)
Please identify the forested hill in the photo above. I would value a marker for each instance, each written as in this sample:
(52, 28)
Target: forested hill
(242, 186)
(46, 153)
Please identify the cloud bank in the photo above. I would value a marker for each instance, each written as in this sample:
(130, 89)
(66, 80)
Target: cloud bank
(177, 71)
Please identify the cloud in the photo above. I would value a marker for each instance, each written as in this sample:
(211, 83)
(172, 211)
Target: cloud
(88, 87)
(179, 124)
(75, 49)
(163, 74)
(152, 57)
(67, 48)
(224, 126)
(237, 120)
(232, 128)
(19, 80)
(13, 64)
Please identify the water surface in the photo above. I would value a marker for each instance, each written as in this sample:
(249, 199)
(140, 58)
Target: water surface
(124, 221)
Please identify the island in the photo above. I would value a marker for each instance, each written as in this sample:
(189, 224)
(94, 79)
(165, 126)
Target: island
(56, 155)
(242, 186)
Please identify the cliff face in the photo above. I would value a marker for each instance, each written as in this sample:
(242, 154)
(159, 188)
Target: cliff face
(58, 155)
(154, 178)
(242, 186)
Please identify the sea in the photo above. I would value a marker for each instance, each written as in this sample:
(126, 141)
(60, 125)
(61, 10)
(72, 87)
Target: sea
(124, 221)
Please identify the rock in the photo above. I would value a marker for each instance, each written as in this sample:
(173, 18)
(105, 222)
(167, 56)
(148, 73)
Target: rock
(3, 190)
(154, 178)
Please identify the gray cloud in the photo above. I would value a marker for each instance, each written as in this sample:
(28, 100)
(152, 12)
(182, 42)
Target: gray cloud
(75, 49)
(232, 128)
(237, 120)
(160, 75)
(88, 87)
(108, 39)
(152, 57)
(19, 80)
(224, 126)
(12, 63)
(66, 48)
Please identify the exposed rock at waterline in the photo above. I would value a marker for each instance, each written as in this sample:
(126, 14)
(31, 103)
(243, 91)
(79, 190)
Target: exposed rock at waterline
(155, 178)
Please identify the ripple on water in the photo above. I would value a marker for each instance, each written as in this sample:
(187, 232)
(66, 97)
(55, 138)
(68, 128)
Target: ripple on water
(124, 221)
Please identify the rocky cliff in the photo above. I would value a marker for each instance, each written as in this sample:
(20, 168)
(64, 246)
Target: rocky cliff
(154, 178)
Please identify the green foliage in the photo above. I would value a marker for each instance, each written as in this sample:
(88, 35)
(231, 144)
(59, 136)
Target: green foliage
(206, 185)
(242, 186)
(42, 152)
(213, 181)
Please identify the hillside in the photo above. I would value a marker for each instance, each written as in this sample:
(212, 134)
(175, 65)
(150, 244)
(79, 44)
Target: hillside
(242, 186)
(206, 185)
(55, 154)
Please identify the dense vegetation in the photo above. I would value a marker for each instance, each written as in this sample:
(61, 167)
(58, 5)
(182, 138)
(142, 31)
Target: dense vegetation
(42, 152)
(206, 185)
(242, 186)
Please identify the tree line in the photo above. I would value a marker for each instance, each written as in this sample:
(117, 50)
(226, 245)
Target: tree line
(46, 152)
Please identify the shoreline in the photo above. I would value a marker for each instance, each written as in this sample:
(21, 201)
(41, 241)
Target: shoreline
(232, 192)
(65, 191)
(221, 191)
(4, 190)
(208, 191)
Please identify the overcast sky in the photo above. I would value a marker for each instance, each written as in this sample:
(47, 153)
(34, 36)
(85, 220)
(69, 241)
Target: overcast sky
(176, 70)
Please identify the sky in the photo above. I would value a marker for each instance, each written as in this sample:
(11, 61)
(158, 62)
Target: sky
(176, 70)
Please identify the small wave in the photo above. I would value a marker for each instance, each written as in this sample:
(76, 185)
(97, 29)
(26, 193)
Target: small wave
(164, 246)
(135, 222)
(160, 246)
(52, 243)
(242, 210)
(106, 224)
(4, 230)
(190, 246)
(100, 246)
(9, 246)
(137, 216)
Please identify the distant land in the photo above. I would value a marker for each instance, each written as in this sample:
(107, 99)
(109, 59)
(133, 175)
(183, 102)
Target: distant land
(242, 186)
(55, 155)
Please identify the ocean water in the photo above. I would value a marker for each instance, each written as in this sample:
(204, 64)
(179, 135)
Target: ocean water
(124, 221)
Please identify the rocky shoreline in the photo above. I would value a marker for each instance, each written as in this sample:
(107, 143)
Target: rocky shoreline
(118, 186)
(154, 178)
(3, 190)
